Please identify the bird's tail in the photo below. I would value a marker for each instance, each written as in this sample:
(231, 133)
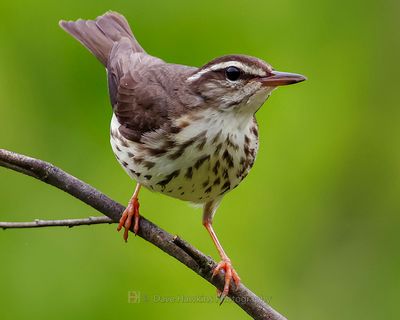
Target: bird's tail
(100, 35)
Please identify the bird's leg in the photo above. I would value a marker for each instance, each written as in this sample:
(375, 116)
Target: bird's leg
(225, 264)
(132, 210)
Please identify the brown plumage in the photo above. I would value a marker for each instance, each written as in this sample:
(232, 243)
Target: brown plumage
(139, 108)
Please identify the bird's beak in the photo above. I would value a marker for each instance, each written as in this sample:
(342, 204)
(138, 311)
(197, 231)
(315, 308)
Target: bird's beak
(276, 78)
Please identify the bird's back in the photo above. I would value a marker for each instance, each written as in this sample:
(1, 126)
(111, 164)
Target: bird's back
(144, 90)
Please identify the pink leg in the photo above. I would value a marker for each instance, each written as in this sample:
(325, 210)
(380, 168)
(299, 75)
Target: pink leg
(132, 210)
(225, 264)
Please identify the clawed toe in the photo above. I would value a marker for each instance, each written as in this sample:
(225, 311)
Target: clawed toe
(230, 274)
(131, 211)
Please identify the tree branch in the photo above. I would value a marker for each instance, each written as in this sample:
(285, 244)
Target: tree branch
(172, 245)
(38, 223)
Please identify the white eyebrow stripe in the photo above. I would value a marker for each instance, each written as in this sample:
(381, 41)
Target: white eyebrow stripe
(246, 68)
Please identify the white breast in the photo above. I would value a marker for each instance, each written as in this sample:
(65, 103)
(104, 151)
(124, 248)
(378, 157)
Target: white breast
(207, 158)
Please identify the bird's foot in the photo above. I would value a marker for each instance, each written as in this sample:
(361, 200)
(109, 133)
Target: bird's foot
(131, 211)
(230, 274)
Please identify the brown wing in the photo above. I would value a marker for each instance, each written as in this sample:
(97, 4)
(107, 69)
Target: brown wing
(144, 90)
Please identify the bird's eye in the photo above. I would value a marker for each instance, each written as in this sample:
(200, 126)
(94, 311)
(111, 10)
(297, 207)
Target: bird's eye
(232, 73)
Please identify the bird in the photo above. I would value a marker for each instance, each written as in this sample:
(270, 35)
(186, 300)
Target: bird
(186, 132)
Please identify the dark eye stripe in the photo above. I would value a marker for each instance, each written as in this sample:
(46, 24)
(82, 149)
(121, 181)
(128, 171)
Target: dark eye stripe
(247, 71)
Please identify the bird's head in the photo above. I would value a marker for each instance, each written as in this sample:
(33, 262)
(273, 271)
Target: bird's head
(238, 83)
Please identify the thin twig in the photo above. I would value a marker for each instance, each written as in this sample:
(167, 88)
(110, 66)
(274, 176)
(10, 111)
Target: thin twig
(174, 246)
(38, 223)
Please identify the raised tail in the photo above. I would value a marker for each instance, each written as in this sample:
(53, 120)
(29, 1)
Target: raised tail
(100, 35)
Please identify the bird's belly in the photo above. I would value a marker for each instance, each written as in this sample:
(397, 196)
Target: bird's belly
(197, 181)
(195, 165)
(200, 173)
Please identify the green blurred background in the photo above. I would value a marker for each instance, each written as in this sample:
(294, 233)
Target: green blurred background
(314, 228)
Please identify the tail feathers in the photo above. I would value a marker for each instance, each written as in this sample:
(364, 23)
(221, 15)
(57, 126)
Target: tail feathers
(100, 35)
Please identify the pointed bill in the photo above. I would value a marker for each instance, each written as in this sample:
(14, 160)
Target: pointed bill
(277, 78)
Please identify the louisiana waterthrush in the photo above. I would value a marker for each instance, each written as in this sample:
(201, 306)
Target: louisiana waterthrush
(189, 133)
